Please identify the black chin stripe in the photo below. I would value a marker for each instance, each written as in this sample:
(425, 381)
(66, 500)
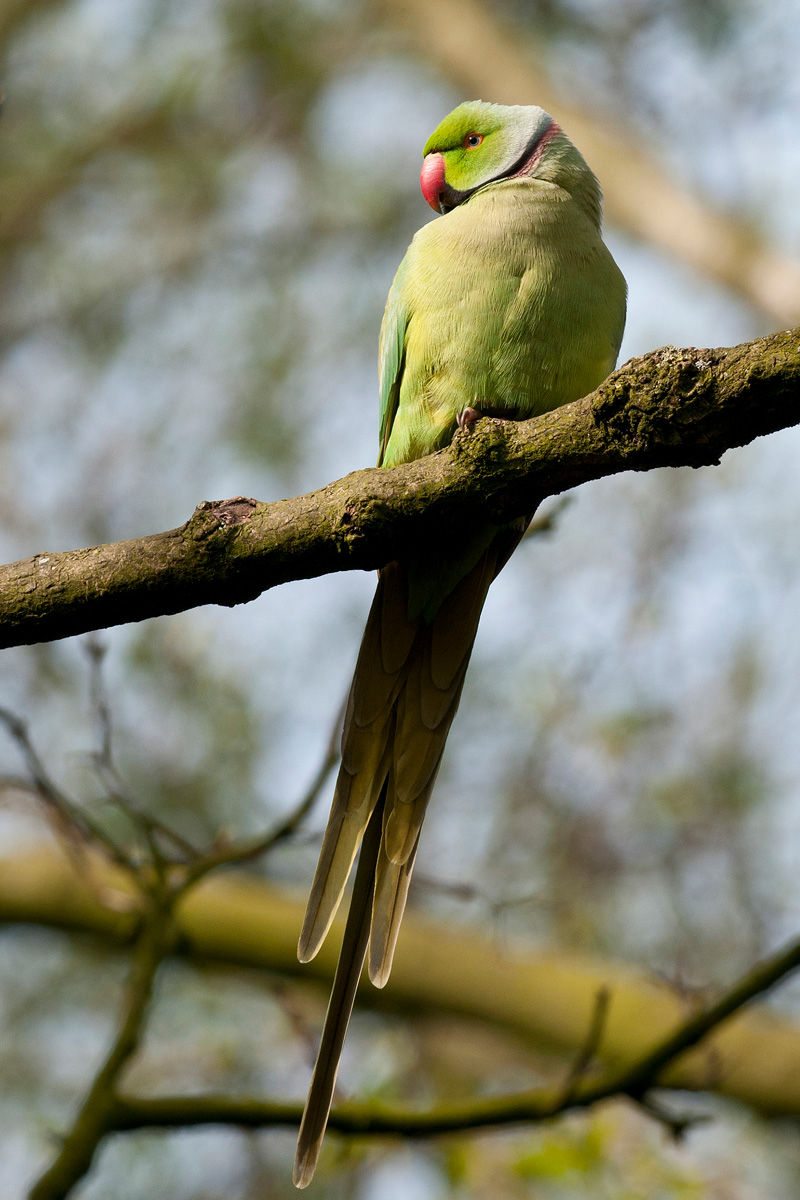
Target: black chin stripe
(450, 198)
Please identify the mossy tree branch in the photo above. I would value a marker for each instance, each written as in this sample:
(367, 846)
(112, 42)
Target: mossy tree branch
(668, 408)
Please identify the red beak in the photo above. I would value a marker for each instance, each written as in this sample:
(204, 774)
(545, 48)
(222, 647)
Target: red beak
(431, 179)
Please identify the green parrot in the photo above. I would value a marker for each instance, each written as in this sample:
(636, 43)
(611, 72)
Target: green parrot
(506, 306)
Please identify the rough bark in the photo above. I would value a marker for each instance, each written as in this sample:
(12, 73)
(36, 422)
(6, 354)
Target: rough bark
(669, 408)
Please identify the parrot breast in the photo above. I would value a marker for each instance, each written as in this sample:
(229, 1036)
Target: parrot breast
(513, 304)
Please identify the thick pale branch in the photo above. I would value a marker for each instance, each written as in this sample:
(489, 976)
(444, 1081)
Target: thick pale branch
(651, 1070)
(669, 408)
(640, 196)
(655, 1068)
(547, 996)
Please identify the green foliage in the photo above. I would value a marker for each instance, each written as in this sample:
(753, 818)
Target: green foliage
(564, 1153)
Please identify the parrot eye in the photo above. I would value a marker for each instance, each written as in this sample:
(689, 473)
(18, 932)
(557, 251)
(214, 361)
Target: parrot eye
(472, 140)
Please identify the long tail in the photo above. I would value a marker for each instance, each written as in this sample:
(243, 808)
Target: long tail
(405, 692)
(340, 1005)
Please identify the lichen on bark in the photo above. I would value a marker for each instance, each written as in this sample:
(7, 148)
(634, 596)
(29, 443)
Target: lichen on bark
(672, 407)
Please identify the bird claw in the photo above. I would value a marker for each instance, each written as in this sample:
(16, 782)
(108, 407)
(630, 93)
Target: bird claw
(468, 417)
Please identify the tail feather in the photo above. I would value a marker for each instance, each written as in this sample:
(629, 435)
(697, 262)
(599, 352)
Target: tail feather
(405, 692)
(391, 892)
(397, 631)
(456, 623)
(367, 739)
(434, 704)
(354, 801)
(340, 1006)
(388, 638)
(427, 705)
(333, 870)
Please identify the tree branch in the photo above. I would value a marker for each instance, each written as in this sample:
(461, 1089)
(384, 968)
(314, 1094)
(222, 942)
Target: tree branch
(97, 1112)
(669, 408)
(158, 877)
(549, 997)
(534, 1105)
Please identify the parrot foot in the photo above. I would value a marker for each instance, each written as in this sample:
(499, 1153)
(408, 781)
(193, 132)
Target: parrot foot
(468, 417)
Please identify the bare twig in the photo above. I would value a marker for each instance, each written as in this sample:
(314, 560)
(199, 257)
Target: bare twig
(238, 920)
(247, 850)
(102, 760)
(161, 882)
(96, 652)
(636, 1080)
(468, 892)
(677, 1125)
(69, 820)
(106, 1111)
(153, 944)
(588, 1051)
(309, 1038)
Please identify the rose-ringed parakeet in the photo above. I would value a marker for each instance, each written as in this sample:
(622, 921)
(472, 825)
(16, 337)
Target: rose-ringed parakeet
(506, 306)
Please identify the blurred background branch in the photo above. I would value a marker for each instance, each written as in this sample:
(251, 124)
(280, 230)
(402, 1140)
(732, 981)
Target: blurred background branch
(485, 56)
(549, 997)
(156, 879)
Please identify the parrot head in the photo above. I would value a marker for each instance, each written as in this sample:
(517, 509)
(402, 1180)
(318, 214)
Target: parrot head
(480, 143)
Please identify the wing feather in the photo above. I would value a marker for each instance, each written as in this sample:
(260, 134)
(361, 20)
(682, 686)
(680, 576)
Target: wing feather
(367, 741)
(392, 353)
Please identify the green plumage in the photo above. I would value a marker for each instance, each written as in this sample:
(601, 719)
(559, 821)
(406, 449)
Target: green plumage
(511, 299)
(510, 303)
